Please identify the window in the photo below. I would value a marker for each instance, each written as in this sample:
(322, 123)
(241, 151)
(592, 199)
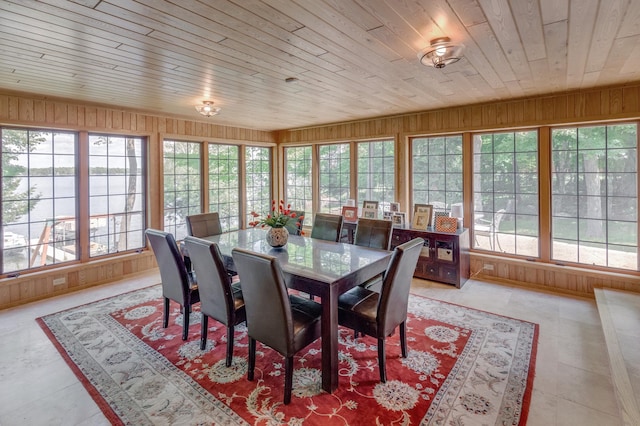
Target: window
(116, 194)
(224, 184)
(376, 172)
(39, 198)
(505, 193)
(595, 195)
(298, 179)
(182, 185)
(335, 170)
(437, 171)
(258, 180)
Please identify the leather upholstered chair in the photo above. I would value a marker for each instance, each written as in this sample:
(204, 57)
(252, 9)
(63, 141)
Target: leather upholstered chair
(295, 226)
(204, 225)
(373, 233)
(284, 322)
(177, 283)
(378, 314)
(327, 226)
(220, 299)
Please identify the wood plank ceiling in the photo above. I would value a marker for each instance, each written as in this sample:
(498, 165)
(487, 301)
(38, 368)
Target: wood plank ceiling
(352, 58)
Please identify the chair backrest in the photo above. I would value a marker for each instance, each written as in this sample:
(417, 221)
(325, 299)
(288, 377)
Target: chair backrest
(266, 300)
(214, 284)
(327, 226)
(373, 233)
(295, 226)
(394, 296)
(204, 225)
(497, 218)
(173, 272)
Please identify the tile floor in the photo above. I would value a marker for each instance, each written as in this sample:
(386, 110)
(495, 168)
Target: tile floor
(572, 384)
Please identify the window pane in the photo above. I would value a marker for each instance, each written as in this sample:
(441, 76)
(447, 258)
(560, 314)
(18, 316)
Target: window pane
(116, 194)
(298, 185)
(182, 185)
(594, 196)
(376, 172)
(437, 171)
(258, 179)
(39, 191)
(224, 185)
(335, 181)
(506, 193)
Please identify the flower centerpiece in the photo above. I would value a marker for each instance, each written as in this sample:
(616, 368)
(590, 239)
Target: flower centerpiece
(276, 220)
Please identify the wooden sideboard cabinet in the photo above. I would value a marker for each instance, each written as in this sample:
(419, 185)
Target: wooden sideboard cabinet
(444, 257)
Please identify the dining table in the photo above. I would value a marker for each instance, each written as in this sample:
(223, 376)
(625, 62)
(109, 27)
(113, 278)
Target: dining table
(321, 268)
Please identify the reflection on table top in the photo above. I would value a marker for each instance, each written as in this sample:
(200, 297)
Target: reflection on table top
(313, 258)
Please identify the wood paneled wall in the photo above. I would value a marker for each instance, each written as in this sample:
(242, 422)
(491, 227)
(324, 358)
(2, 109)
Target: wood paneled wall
(610, 103)
(30, 110)
(42, 284)
(564, 279)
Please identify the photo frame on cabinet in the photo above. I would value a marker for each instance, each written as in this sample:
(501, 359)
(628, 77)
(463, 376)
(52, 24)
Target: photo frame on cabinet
(394, 207)
(369, 209)
(421, 221)
(387, 215)
(350, 214)
(369, 205)
(446, 224)
(398, 219)
(424, 208)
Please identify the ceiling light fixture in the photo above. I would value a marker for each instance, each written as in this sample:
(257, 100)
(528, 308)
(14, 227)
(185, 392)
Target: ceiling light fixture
(207, 109)
(441, 53)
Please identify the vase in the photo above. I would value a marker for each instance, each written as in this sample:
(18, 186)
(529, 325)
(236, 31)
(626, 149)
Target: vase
(277, 237)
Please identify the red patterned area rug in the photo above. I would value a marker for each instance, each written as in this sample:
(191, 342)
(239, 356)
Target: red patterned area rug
(465, 367)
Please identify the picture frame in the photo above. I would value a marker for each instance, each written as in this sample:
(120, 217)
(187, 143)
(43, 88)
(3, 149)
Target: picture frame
(394, 207)
(424, 208)
(421, 221)
(398, 219)
(446, 224)
(369, 213)
(369, 205)
(369, 209)
(439, 213)
(350, 214)
(387, 215)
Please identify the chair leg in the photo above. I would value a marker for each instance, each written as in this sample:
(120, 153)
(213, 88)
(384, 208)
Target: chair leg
(252, 358)
(203, 332)
(230, 333)
(381, 360)
(288, 379)
(185, 322)
(165, 321)
(403, 338)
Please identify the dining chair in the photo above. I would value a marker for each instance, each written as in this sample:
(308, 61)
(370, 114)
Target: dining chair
(204, 224)
(327, 226)
(286, 323)
(177, 284)
(373, 233)
(378, 314)
(295, 226)
(220, 299)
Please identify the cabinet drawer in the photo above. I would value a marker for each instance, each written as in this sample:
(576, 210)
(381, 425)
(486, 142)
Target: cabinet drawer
(448, 274)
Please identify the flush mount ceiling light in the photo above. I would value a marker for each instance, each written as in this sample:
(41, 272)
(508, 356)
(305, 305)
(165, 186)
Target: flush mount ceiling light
(207, 109)
(440, 53)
